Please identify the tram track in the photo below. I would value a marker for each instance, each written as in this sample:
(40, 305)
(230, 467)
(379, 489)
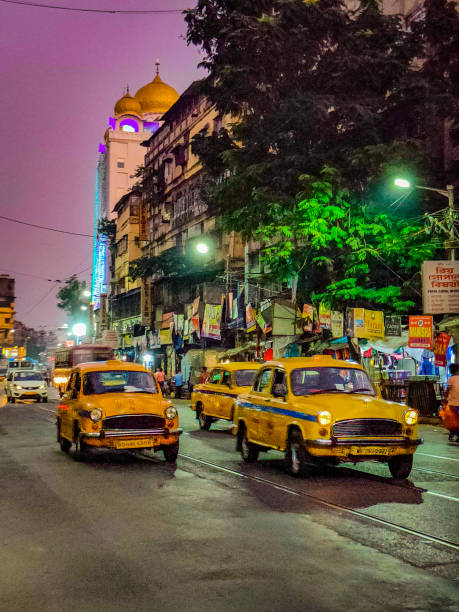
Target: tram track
(323, 502)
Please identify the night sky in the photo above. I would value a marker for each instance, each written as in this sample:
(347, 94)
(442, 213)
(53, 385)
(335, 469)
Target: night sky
(61, 74)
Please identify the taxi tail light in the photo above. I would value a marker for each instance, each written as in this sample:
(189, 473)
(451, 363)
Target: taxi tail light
(63, 407)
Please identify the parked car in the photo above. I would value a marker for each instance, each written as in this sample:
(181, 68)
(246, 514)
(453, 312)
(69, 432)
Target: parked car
(321, 410)
(26, 384)
(116, 405)
(215, 399)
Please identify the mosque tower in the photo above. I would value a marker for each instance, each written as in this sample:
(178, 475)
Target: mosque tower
(135, 118)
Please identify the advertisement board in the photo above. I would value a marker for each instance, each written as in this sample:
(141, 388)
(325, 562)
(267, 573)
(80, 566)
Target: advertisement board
(420, 332)
(440, 287)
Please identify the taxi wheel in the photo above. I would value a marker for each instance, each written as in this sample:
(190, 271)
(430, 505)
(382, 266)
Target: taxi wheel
(400, 466)
(79, 454)
(249, 451)
(12, 399)
(296, 455)
(204, 421)
(63, 442)
(170, 452)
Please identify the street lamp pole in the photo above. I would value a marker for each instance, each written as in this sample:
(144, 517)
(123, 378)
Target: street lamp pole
(447, 193)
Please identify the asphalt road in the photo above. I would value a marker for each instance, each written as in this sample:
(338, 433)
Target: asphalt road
(128, 532)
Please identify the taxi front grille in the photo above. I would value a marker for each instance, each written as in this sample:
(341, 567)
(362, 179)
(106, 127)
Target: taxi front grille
(366, 427)
(133, 422)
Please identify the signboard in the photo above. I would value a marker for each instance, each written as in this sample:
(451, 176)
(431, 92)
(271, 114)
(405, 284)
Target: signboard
(324, 316)
(373, 324)
(168, 320)
(337, 323)
(420, 332)
(165, 336)
(440, 287)
(145, 299)
(143, 220)
(440, 347)
(308, 317)
(393, 325)
(249, 318)
(211, 321)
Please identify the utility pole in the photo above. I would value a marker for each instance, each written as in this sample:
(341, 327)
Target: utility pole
(450, 195)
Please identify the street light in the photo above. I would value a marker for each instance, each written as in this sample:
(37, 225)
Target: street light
(86, 293)
(447, 193)
(79, 330)
(84, 307)
(202, 248)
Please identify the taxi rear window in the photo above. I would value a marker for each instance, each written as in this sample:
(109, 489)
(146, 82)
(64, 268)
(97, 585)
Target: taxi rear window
(244, 378)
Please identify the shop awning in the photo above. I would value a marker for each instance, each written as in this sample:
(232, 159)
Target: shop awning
(389, 345)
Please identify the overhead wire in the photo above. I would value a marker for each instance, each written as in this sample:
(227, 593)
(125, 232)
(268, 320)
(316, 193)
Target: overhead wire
(89, 10)
(50, 229)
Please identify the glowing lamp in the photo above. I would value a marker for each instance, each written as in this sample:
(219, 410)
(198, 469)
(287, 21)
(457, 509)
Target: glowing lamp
(403, 183)
(202, 248)
(79, 329)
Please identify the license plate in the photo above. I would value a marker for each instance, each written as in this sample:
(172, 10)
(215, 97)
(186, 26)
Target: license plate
(142, 443)
(369, 450)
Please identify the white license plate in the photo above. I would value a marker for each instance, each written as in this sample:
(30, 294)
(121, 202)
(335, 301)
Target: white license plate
(369, 450)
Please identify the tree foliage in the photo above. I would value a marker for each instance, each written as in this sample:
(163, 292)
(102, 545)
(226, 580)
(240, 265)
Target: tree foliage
(327, 104)
(70, 296)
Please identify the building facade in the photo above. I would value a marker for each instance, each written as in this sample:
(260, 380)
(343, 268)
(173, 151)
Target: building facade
(7, 312)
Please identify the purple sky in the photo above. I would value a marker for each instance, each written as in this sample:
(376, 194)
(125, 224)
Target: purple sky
(61, 74)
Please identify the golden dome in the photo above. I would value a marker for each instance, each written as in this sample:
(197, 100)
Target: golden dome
(127, 105)
(157, 96)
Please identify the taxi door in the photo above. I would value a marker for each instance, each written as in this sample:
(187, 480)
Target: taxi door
(272, 426)
(226, 399)
(210, 400)
(260, 398)
(69, 411)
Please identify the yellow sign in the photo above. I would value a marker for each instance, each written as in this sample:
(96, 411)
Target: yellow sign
(373, 324)
(165, 336)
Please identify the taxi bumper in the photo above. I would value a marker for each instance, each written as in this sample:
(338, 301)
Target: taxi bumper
(129, 433)
(355, 449)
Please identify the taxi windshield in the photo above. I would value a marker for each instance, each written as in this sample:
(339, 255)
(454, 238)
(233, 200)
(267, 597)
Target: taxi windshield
(28, 376)
(244, 378)
(118, 381)
(309, 381)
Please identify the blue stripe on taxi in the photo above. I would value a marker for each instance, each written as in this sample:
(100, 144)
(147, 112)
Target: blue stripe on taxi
(277, 410)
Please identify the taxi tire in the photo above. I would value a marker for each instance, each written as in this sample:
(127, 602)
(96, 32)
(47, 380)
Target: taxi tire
(171, 452)
(296, 462)
(400, 466)
(80, 452)
(63, 442)
(249, 451)
(204, 421)
(12, 399)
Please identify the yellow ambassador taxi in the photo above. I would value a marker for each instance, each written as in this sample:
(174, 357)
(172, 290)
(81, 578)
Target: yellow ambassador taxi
(215, 399)
(116, 405)
(321, 410)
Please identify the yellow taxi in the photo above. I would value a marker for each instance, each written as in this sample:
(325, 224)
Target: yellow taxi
(321, 410)
(116, 405)
(216, 398)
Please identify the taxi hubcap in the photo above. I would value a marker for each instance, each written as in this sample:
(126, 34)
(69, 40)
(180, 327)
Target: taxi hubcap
(294, 458)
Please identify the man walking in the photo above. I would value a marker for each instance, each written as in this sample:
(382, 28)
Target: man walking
(160, 378)
(178, 380)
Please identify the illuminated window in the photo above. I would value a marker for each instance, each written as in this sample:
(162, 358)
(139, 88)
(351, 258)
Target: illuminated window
(127, 128)
(129, 125)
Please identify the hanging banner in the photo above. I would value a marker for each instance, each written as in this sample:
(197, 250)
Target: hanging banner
(349, 326)
(308, 317)
(315, 320)
(186, 329)
(373, 324)
(194, 326)
(211, 322)
(337, 324)
(264, 326)
(440, 347)
(145, 302)
(324, 315)
(168, 320)
(359, 322)
(165, 336)
(420, 332)
(195, 307)
(249, 318)
(393, 325)
(440, 287)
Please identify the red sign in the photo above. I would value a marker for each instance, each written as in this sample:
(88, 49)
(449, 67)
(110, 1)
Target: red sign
(420, 332)
(440, 347)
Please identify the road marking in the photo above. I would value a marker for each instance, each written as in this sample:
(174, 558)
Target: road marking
(456, 499)
(368, 517)
(436, 472)
(438, 457)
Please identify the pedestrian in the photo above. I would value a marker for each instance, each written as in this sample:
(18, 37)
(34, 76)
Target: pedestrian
(203, 377)
(160, 378)
(452, 398)
(178, 380)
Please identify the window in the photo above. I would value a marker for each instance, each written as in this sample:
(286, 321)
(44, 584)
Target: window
(279, 386)
(309, 381)
(118, 381)
(215, 377)
(262, 382)
(226, 378)
(244, 378)
(28, 376)
(120, 164)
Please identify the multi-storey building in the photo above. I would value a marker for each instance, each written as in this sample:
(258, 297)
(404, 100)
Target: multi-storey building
(135, 118)
(6, 310)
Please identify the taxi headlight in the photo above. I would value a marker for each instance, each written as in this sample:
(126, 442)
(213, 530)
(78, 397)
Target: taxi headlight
(170, 412)
(411, 417)
(95, 414)
(42, 386)
(324, 417)
(18, 386)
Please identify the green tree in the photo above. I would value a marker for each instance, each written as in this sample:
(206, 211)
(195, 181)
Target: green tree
(70, 297)
(326, 102)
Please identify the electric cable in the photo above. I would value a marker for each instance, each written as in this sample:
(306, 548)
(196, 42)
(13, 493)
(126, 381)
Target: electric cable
(50, 229)
(89, 10)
